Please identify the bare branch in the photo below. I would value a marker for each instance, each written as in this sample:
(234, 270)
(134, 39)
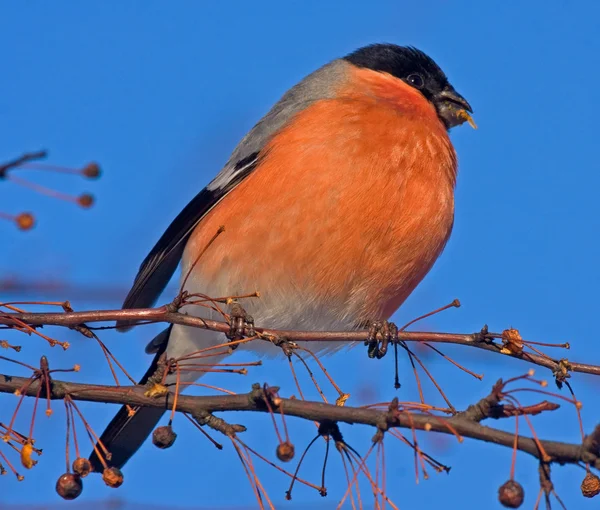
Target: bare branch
(203, 406)
(25, 158)
(163, 314)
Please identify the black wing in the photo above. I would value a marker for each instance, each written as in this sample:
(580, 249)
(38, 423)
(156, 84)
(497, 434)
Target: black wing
(160, 264)
(126, 432)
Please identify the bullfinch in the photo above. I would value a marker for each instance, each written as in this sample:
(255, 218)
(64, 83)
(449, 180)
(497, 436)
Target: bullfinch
(335, 205)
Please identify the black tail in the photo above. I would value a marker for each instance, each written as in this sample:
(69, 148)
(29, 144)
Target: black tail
(125, 434)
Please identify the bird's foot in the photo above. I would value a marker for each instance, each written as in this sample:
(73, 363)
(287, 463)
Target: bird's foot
(380, 335)
(241, 324)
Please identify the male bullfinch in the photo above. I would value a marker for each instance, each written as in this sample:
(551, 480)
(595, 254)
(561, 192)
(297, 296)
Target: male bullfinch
(336, 204)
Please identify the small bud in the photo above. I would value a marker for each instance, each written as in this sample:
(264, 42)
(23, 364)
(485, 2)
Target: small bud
(76, 368)
(590, 486)
(112, 477)
(86, 200)
(285, 451)
(342, 399)
(156, 390)
(69, 486)
(25, 221)
(163, 437)
(82, 466)
(511, 494)
(427, 427)
(91, 170)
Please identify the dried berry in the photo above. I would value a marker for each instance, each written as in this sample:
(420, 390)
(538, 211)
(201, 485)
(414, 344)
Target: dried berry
(512, 342)
(69, 486)
(82, 467)
(590, 486)
(26, 459)
(91, 170)
(285, 451)
(25, 221)
(86, 200)
(163, 437)
(511, 494)
(112, 477)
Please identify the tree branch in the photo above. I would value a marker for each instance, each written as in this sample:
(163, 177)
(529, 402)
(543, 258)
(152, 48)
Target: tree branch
(24, 158)
(163, 314)
(562, 453)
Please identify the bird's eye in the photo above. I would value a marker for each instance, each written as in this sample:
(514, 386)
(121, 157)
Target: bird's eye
(416, 80)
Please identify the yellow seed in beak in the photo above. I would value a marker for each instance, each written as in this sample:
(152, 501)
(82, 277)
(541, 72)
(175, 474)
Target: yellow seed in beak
(463, 114)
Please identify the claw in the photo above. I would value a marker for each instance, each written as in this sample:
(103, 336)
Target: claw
(241, 324)
(388, 332)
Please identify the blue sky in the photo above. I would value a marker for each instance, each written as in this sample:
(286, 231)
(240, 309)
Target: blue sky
(159, 94)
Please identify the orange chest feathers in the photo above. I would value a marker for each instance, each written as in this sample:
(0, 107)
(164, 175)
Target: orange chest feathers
(348, 209)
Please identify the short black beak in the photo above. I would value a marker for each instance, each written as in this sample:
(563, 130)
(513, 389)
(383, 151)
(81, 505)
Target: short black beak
(452, 96)
(450, 104)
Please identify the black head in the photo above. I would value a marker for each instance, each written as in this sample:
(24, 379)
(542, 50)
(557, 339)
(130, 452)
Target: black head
(418, 70)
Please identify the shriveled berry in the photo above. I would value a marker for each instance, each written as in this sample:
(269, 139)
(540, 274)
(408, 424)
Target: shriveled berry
(25, 221)
(112, 477)
(590, 486)
(511, 494)
(86, 200)
(163, 437)
(91, 170)
(69, 486)
(82, 466)
(285, 451)
(26, 453)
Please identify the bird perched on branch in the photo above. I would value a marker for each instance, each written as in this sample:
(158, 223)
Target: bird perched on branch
(336, 204)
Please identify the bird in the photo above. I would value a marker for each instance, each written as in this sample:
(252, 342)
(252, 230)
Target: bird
(335, 205)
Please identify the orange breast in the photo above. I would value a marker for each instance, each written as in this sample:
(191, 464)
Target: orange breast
(344, 216)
